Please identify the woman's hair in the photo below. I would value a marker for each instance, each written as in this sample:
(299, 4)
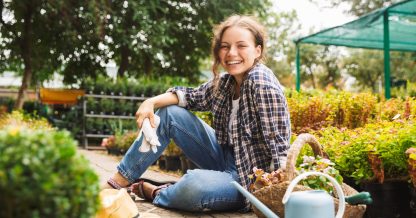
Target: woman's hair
(247, 22)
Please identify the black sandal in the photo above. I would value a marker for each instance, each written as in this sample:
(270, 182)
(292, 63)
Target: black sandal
(137, 189)
(155, 182)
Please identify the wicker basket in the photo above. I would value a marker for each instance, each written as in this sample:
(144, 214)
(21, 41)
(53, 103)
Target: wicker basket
(272, 196)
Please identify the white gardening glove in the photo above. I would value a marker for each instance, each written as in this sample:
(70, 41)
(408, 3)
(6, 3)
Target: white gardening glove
(150, 139)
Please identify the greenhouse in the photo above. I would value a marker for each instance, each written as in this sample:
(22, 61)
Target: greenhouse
(391, 28)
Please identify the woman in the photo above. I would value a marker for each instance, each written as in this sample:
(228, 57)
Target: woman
(251, 126)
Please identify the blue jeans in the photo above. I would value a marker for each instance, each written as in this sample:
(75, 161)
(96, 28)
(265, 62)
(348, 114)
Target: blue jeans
(207, 188)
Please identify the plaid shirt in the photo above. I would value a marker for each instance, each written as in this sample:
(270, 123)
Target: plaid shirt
(260, 136)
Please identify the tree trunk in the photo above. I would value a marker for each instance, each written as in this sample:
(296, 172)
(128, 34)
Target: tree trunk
(26, 53)
(124, 63)
(313, 80)
(147, 65)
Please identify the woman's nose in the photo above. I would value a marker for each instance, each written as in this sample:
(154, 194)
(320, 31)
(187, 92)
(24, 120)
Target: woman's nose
(233, 50)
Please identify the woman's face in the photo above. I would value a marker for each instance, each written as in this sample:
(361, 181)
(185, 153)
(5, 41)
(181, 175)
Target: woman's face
(238, 51)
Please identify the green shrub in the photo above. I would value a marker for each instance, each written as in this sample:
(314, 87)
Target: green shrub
(41, 175)
(126, 140)
(205, 116)
(350, 149)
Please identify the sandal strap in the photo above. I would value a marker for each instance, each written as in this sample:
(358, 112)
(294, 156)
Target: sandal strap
(140, 190)
(137, 189)
(159, 188)
(114, 184)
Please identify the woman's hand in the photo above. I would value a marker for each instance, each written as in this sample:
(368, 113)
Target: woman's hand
(146, 110)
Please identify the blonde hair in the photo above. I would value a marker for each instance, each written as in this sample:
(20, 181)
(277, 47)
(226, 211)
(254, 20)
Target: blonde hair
(247, 22)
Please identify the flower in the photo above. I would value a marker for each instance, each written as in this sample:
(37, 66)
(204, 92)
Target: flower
(104, 142)
(264, 179)
(323, 165)
(109, 142)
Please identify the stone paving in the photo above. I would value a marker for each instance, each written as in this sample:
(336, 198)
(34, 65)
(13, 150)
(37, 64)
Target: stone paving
(105, 166)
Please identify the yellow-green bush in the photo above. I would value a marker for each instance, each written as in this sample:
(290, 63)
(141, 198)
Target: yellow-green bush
(315, 110)
(41, 175)
(349, 148)
(24, 120)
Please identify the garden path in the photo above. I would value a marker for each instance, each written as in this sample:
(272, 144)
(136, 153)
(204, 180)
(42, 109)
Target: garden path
(105, 166)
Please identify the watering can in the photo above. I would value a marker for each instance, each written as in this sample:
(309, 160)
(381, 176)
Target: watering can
(303, 204)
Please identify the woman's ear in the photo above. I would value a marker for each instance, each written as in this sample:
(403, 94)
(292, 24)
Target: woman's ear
(258, 51)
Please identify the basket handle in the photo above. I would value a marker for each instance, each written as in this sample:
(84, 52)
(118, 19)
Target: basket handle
(294, 150)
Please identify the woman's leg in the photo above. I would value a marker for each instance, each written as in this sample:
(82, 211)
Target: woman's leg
(200, 190)
(196, 139)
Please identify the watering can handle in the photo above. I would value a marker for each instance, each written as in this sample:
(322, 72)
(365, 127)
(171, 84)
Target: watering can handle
(340, 193)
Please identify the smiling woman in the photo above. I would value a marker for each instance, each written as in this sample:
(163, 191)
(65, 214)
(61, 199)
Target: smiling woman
(238, 53)
(251, 126)
(238, 44)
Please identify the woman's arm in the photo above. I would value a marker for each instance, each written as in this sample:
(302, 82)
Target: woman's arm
(147, 108)
(275, 122)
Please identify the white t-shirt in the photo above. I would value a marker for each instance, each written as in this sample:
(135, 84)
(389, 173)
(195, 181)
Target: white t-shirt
(233, 116)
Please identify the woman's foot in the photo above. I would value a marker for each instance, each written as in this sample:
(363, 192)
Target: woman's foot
(147, 190)
(143, 190)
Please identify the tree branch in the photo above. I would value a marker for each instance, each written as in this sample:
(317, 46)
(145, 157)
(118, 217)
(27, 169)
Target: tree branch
(4, 24)
(1, 13)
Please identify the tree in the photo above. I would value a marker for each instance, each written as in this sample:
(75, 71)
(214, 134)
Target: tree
(167, 37)
(368, 68)
(40, 37)
(367, 65)
(280, 49)
(361, 7)
(319, 66)
(330, 74)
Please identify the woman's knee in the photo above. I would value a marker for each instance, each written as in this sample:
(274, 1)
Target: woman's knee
(171, 110)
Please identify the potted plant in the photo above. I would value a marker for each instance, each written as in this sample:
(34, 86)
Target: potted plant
(110, 144)
(90, 126)
(91, 105)
(99, 125)
(172, 153)
(100, 85)
(107, 106)
(411, 167)
(107, 128)
(374, 157)
(136, 89)
(128, 108)
(126, 141)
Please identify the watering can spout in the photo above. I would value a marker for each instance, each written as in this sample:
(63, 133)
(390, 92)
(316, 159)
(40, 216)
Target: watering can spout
(265, 210)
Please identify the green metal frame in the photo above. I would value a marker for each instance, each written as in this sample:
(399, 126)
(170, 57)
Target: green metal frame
(386, 39)
(386, 47)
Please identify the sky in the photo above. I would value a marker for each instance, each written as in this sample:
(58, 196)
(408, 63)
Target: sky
(314, 15)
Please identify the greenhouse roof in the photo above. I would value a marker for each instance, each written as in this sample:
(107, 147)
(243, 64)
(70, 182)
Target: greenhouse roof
(368, 30)
(389, 28)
